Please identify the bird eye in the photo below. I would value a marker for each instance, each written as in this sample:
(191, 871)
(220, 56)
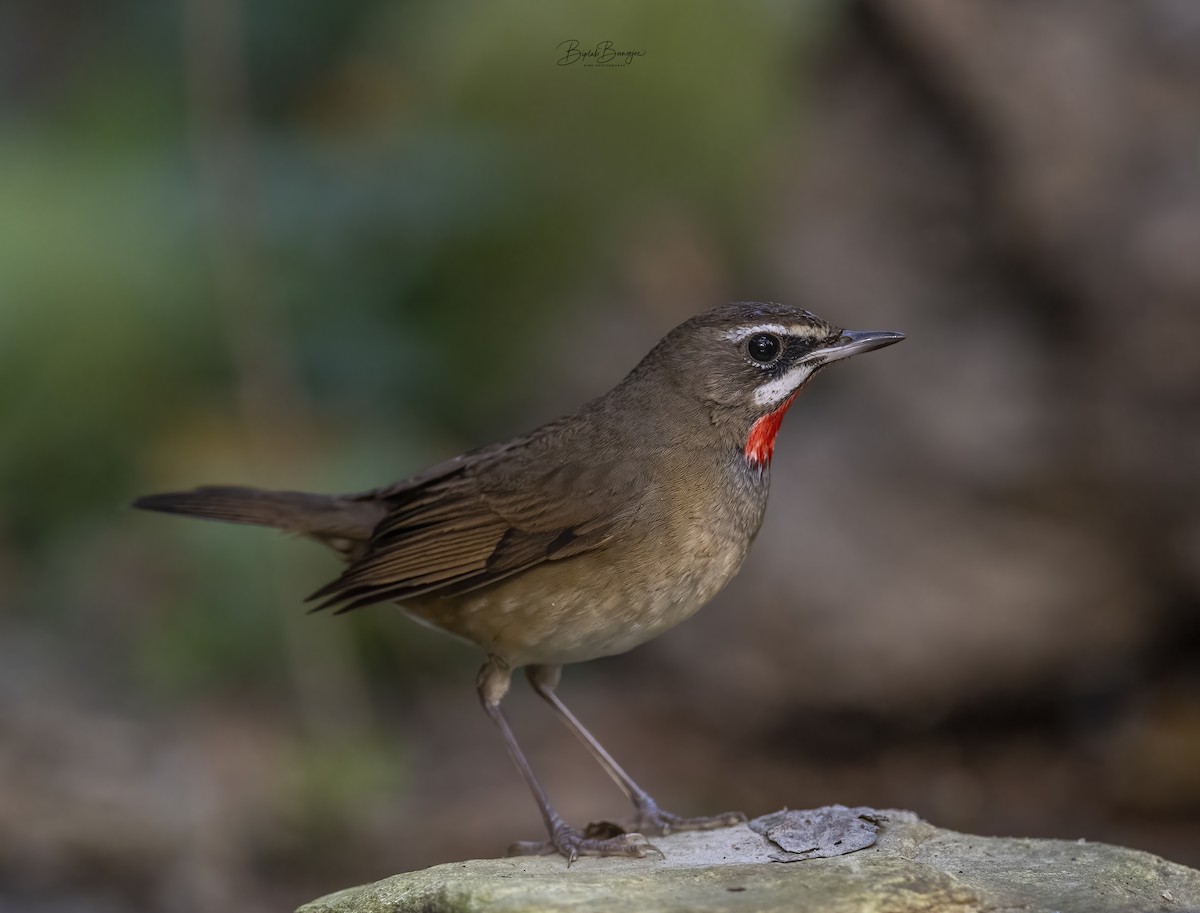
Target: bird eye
(763, 347)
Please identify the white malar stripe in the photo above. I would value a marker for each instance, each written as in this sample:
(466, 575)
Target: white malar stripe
(774, 392)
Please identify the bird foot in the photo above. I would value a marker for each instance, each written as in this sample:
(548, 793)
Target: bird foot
(597, 840)
(654, 821)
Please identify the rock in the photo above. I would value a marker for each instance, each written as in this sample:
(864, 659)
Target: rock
(830, 831)
(914, 866)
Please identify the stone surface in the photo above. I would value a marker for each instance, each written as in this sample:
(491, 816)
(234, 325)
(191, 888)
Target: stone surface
(914, 866)
(819, 833)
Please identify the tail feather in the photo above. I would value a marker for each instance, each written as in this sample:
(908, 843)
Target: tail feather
(298, 512)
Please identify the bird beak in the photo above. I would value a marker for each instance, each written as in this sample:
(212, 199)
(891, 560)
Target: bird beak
(852, 342)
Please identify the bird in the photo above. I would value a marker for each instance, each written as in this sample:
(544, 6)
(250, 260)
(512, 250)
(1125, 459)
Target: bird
(583, 538)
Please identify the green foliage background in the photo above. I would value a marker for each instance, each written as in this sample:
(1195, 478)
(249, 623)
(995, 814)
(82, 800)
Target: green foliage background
(320, 245)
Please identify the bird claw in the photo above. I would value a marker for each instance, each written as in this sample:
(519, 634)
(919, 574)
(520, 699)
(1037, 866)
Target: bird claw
(654, 821)
(604, 838)
(571, 844)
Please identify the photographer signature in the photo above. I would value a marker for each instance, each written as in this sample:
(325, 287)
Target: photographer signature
(603, 54)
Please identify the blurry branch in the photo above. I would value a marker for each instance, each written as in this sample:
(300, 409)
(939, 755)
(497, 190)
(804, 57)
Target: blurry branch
(330, 691)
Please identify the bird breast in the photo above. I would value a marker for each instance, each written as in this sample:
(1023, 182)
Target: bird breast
(688, 541)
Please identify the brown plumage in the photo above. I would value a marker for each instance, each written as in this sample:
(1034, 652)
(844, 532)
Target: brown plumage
(585, 537)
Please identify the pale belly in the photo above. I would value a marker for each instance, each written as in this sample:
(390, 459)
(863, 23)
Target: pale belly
(597, 604)
(626, 592)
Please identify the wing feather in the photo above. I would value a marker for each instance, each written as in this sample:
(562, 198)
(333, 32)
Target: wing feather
(471, 523)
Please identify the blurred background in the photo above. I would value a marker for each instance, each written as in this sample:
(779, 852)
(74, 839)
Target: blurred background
(320, 246)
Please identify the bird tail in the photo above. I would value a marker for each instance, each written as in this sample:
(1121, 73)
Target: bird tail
(323, 516)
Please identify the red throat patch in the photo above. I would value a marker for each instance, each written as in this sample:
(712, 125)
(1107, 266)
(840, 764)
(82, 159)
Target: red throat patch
(760, 445)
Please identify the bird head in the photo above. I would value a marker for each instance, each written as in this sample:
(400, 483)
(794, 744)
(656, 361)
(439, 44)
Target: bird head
(745, 363)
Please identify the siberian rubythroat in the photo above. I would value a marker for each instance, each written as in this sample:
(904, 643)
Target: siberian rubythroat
(585, 537)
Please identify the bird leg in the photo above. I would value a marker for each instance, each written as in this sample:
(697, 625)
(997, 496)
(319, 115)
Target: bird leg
(493, 682)
(650, 819)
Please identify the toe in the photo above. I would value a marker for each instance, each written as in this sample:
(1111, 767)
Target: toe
(660, 823)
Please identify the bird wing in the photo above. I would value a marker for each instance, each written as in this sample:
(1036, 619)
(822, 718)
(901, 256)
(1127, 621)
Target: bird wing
(456, 528)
